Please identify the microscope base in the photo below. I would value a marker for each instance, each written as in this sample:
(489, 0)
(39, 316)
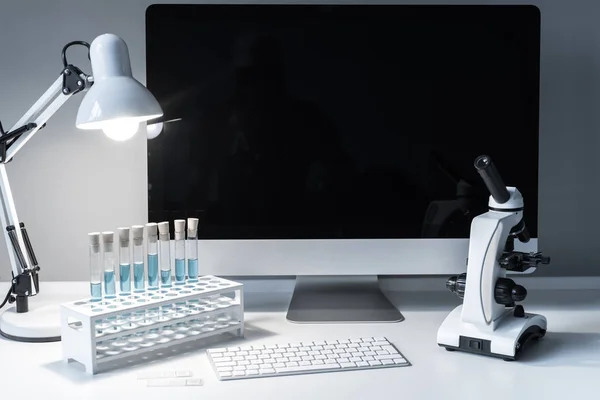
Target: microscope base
(506, 342)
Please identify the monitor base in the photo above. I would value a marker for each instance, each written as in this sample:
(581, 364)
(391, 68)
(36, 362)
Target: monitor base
(340, 299)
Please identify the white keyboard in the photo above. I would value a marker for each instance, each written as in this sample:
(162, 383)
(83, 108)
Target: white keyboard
(305, 358)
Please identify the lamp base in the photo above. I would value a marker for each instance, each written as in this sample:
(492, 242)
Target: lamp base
(39, 324)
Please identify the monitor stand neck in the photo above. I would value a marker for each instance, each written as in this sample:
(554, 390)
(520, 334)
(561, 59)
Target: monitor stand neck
(340, 299)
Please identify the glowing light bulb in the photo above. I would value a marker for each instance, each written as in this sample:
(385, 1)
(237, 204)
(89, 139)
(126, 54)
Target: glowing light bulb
(153, 130)
(120, 129)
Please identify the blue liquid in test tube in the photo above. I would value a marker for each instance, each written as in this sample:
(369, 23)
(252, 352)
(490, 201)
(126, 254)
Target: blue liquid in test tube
(125, 278)
(109, 283)
(193, 269)
(165, 278)
(153, 271)
(138, 276)
(179, 271)
(96, 291)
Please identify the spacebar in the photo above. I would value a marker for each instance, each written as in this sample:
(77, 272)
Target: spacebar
(306, 368)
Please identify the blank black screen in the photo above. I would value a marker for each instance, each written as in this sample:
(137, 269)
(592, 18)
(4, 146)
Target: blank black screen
(314, 121)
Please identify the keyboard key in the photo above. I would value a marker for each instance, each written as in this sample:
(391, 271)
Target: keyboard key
(225, 374)
(254, 352)
(301, 354)
(370, 353)
(363, 349)
(375, 348)
(291, 364)
(347, 364)
(362, 364)
(380, 352)
(368, 358)
(224, 369)
(263, 356)
(326, 352)
(369, 339)
(302, 363)
(282, 359)
(271, 346)
(305, 349)
(399, 361)
(307, 344)
(307, 368)
(241, 353)
(358, 354)
(385, 343)
(289, 354)
(317, 362)
(259, 347)
(256, 362)
(295, 344)
(221, 359)
(267, 351)
(244, 362)
(339, 351)
(329, 347)
(266, 371)
(233, 349)
(252, 372)
(320, 357)
(252, 366)
(332, 356)
(387, 362)
(314, 353)
(330, 342)
(308, 358)
(295, 359)
(341, 346)
(355, 341)
(343, 360)
(320, 343)
(251, 357)
(278, 365)
(391, 349)
(380, 339)
(354, 345)
(355, 359)
(246, 348)
(374, 363)
(386, 357)
(280, 351)
(266, 366)
(225, 364)
(242, 368)
(344, 341)
(283, 346)
(220, 350)
(229, 354)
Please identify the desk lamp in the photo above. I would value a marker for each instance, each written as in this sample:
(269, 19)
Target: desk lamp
(116, 103)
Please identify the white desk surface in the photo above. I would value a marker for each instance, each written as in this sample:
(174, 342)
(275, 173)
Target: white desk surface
(564, 364)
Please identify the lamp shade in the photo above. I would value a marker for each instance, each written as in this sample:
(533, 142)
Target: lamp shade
(116, 102)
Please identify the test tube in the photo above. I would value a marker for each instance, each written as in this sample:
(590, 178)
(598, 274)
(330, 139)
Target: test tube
(192, 249)
(179, 251)
(152, 249)
(124, 261)
(164, 250)
(95, 267)
(110, 289)
(138, 258)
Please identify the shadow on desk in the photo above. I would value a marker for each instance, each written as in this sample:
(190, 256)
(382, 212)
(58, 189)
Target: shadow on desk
(75, 372)
(561, 349)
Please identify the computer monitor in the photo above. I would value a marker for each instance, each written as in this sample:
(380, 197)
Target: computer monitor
(339, 140)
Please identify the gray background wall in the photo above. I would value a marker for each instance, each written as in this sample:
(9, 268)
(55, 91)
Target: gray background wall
(68, 182)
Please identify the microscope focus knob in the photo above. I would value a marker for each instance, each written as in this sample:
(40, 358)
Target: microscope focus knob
(507, 292)
(457, 284)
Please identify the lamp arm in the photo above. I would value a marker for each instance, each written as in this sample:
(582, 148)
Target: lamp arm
(20, 252)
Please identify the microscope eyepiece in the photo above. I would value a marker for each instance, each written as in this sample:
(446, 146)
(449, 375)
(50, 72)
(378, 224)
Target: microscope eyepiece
(488, 172)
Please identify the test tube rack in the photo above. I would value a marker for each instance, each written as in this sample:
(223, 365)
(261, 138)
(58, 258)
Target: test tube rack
(95, 333)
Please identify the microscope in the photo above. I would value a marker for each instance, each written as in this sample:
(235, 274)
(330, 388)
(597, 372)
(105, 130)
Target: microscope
(489, 322)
